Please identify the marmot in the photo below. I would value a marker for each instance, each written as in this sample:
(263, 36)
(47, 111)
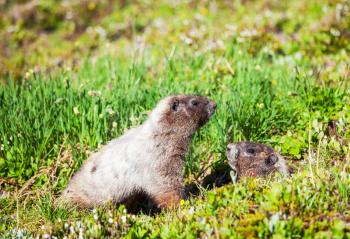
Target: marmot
(254, 160)
(146, 159)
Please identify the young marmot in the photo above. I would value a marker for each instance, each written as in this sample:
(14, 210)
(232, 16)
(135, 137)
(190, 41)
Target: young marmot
(147, 159)
(254, 160)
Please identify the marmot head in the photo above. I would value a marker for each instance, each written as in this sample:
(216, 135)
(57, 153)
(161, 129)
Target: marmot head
(254, 160)
(183, 113)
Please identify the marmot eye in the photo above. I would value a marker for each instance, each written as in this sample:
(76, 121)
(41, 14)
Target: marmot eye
(250, 151)
(194, 102)
(175, 105)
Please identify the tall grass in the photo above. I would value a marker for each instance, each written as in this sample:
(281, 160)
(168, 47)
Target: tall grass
(101, 101)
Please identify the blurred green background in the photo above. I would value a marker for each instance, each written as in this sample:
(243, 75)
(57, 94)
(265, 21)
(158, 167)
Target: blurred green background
(43, 35)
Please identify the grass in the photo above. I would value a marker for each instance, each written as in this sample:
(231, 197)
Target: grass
(266, 92)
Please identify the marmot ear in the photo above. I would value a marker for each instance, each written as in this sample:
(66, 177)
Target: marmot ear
(175, 105)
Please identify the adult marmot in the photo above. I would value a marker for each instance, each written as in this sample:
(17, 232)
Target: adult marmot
(147, 159)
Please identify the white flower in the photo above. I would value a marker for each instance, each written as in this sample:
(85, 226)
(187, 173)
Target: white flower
(110, 111)
(81, 235)
(90, 30)
(11, 29)
(186, 39)
(191, 211)
(95, 217)
(94, 93)
(78, 224)
(123, 219)
(101, 31)
(58, 100)
(158, 23)
(325, 9)
(273, 222)
(248, 33)
(268, 13)
(232, 28)
(76, 110)
(110, 220)
(335, 32)
(201, 220)
(69, 15)
(298, 55)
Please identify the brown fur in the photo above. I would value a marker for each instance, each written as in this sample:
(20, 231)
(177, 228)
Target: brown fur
(177, 128)
(250, 159)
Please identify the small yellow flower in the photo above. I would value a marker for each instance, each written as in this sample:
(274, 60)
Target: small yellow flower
(260, 105)
(27, 75)
(91, 6)
(182, 202)
(203, 11)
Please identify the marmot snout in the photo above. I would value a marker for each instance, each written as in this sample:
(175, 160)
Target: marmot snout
(254, 160)
(147, 159)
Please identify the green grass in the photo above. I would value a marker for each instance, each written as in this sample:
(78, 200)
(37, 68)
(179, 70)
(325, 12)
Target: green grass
(266, 92)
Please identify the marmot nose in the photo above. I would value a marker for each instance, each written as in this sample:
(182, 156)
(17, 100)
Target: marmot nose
(273, 158)
(212, 104)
